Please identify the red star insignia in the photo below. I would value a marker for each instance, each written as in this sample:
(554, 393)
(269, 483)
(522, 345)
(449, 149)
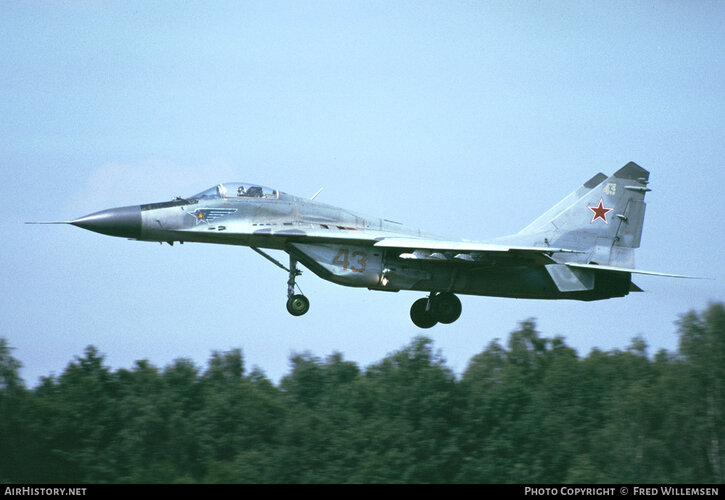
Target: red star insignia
(600, 212)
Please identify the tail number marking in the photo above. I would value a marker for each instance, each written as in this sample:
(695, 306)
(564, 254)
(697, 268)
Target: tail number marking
(355, 261)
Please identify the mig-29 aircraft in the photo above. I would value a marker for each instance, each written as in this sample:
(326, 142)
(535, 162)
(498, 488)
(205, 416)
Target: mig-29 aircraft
(582, 248)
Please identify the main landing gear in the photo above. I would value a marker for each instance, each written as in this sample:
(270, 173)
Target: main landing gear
(442, 307)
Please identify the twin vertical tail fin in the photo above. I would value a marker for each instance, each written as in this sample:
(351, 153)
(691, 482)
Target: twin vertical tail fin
(602, 219)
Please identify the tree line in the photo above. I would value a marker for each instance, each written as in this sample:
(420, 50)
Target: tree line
(529, 411)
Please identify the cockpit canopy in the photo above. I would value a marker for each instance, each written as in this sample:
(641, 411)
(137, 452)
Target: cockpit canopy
(238, 190)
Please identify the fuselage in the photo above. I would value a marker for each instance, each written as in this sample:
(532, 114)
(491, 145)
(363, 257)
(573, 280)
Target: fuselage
(582, 248)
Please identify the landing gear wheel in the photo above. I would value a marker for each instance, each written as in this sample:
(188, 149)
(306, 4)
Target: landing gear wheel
(446, 307)
(297, 305)
(421, 316)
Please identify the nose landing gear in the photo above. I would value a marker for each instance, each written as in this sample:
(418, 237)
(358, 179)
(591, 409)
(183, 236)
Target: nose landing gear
(442, 307)
(297, 304)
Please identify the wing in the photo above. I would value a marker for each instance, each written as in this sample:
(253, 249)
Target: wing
(463, 251)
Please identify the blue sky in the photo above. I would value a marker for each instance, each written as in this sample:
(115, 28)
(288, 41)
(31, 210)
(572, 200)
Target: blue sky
(462, 118)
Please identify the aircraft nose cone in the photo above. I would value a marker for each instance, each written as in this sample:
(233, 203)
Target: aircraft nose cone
(123, 221)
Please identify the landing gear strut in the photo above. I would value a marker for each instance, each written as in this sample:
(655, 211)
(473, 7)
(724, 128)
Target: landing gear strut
(442, 307)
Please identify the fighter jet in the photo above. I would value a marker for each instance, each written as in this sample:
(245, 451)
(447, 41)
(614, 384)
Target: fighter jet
(580, 249)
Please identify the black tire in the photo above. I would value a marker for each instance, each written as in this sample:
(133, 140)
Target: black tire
(297, 305)
(446, 307)
(422, 318)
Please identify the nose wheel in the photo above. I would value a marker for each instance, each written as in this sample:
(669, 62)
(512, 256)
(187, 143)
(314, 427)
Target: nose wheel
(436, 308)
(298, 304)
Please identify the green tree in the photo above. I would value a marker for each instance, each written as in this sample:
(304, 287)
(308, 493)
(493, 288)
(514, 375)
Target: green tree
(413, 410)
(13, 399)
(72, 419)
(501, 429)
(702, 345)
(240, 415)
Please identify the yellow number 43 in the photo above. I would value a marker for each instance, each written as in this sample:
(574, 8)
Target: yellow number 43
(359, 259)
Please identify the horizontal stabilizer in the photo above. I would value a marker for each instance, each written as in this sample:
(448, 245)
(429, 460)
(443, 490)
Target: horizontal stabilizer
(629, 270)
